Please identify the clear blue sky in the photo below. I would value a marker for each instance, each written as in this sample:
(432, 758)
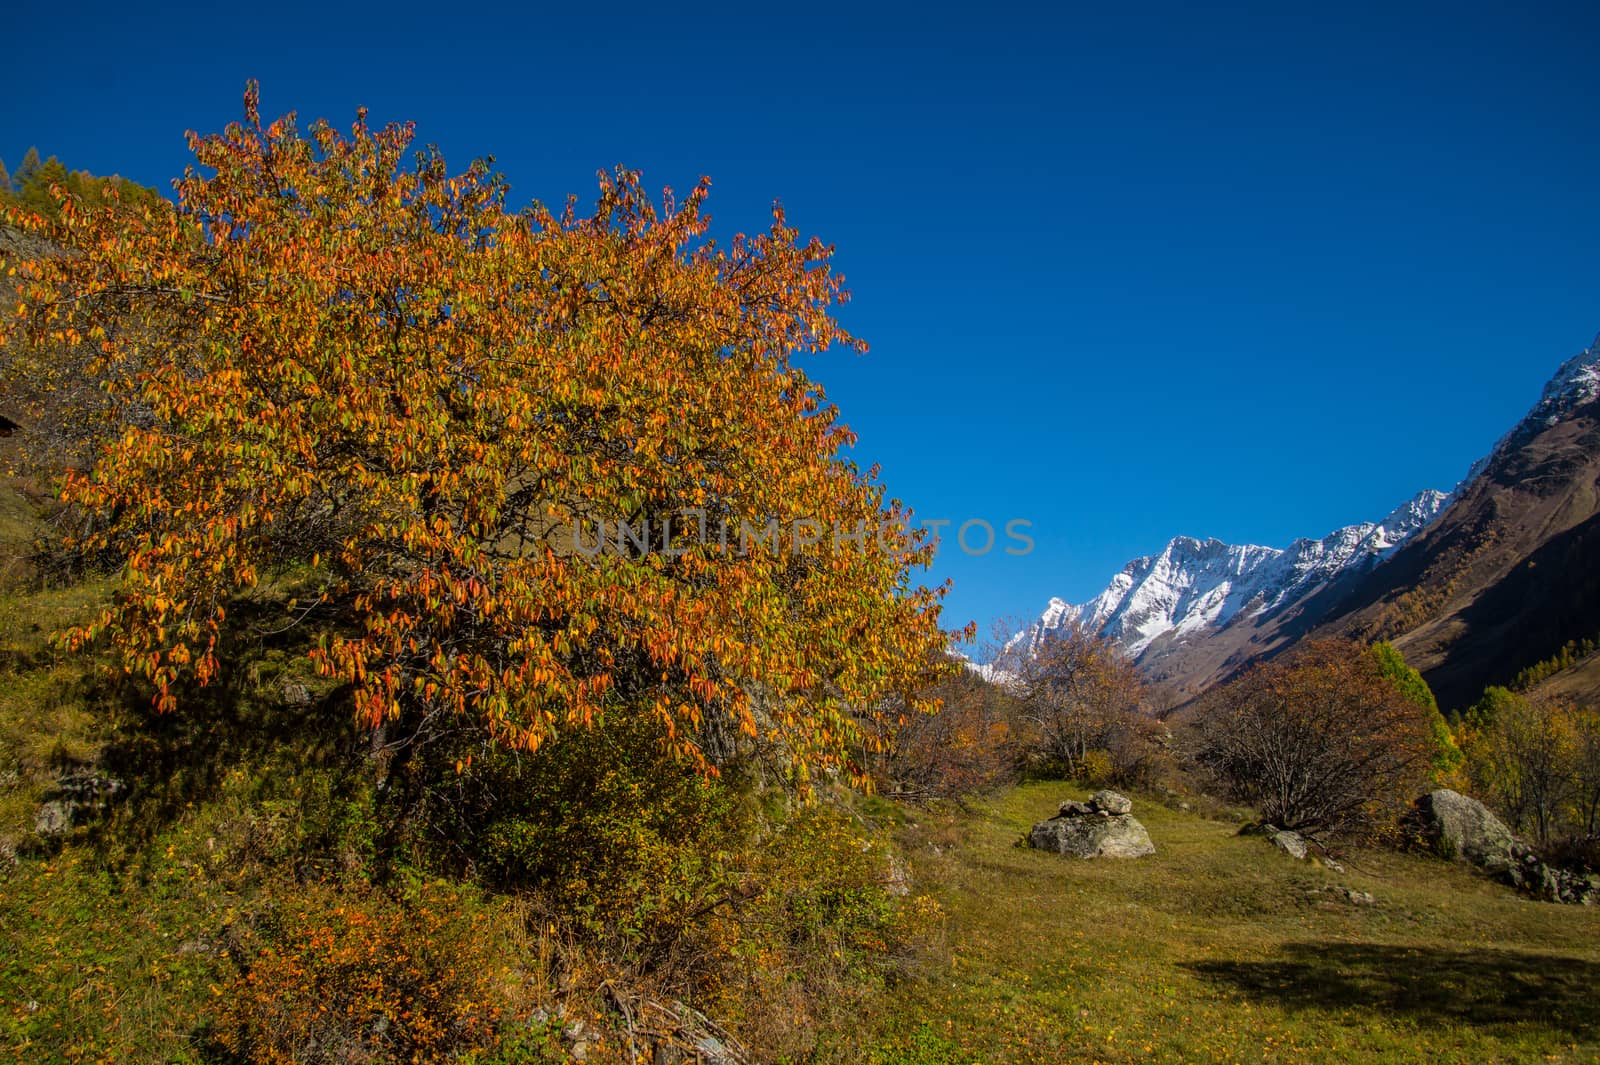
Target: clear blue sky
(1243, 273)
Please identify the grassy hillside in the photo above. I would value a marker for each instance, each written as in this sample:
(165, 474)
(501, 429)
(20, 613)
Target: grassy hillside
(1220, 949)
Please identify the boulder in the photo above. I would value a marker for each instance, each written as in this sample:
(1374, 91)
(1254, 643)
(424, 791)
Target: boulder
(1109, 802)
(1460, 827)
(53, 818)
(1457, 826)
(1291, 843)
(1093, 830)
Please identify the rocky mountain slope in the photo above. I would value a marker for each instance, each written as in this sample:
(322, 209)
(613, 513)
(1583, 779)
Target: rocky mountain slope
(1454, 579)
(1511, 571)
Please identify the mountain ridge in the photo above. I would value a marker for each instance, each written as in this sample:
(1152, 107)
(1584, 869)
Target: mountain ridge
(1200, 609)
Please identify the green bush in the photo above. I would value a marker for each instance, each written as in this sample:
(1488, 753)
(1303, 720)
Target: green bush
(604, 826)
(1095, 767)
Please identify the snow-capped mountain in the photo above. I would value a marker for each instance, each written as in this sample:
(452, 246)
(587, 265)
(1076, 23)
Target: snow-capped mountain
(1193, 587)
(1575, 384)
(1200, 609)
(1511, 572)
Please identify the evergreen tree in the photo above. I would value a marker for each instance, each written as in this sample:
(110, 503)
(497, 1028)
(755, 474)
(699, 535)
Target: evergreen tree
(30, 163)
(34, 193)
(5, 180)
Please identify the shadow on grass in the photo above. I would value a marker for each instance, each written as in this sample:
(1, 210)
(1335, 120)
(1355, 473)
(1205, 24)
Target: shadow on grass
(1491, 989)
(169, 763)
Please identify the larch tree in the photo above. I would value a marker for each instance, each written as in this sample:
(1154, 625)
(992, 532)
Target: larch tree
(1447, 756)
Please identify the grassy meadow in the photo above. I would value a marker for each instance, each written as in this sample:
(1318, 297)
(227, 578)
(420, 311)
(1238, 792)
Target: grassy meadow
(1221, 949)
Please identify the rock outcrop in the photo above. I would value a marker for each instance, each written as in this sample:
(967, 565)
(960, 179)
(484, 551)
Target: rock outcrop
(1456, 826)
(1291, 843)
(1103, 827)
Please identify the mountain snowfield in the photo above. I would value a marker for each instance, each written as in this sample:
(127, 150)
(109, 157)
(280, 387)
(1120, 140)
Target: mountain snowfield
(1193, 588)
(1196, 586)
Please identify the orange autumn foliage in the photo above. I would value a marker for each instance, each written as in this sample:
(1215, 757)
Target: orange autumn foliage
(328, 357)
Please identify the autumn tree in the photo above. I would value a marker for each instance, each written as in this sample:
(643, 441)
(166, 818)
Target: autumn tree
(339, 359)
(1319, 740)
(969, 744)
(1080, 696)
(1526, 757)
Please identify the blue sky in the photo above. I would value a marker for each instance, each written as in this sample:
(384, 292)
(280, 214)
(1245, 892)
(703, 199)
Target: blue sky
(1243, 272)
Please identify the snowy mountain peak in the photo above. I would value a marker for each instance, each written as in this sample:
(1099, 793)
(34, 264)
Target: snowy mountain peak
(1193, 586)
(1577, 382)
(1163, 608)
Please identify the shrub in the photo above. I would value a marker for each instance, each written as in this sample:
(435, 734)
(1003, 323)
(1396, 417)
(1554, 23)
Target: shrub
(604, 826)
(331, 976)
(821, 921)
(967, 745)
(1094, 768)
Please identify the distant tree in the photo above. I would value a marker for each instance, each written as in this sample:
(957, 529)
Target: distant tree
(338, 358)
(968, 745)
(40, 187)
(1320, 740)
(1447, 756)
(5, 181)
(25, 170)
(1080, 695)
(34, 190)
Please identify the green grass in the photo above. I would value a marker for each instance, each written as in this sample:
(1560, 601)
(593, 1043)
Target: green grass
(1220, 949)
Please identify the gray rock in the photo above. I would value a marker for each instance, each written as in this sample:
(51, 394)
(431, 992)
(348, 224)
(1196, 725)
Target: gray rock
(1460, 827)
(1071, 808)
(714, 1051)
(1094, 834)
(1110, 802)
(1291, 843)
(898, 882)
(1457, 826)
(77, 796)
(54, 817)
